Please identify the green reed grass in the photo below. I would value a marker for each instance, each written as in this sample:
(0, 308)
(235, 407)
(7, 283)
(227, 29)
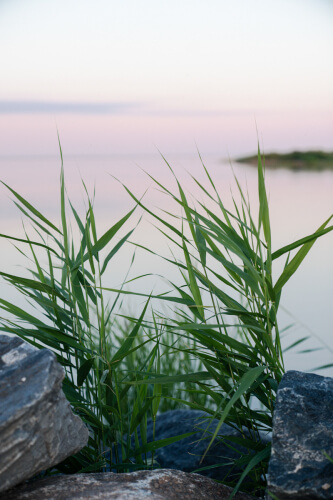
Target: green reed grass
(217, 350)
(101, 353)
(232, 303)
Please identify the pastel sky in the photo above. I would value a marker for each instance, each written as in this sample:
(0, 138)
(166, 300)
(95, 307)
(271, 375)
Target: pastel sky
(125, 77)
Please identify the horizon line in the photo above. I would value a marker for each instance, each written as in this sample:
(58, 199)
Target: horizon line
(114, 108)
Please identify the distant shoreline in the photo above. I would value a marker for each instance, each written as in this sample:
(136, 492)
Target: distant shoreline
(296, 160)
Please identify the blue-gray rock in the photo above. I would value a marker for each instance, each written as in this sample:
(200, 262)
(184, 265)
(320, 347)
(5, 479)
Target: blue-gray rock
(186, 454)
(155, 485)
(37, 426)
(302, 432)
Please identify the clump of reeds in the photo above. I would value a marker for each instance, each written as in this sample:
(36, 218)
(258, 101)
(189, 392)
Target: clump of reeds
(218, 350)
(229, 307)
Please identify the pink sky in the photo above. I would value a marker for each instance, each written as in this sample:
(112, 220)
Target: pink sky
(232, 134)
(123, 77)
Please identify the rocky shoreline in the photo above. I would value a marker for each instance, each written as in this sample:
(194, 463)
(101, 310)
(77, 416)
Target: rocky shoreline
(38, 430)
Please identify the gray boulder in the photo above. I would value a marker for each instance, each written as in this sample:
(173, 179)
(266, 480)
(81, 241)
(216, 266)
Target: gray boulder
(186, 454)
(302, 432)
(155, 485)
(37, 426)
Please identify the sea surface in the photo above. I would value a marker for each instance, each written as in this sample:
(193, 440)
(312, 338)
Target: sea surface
(299, 203)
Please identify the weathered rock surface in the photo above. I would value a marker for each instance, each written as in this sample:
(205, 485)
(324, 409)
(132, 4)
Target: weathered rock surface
(186, 454)
(155, 485)
(302, 431)
(37, 427)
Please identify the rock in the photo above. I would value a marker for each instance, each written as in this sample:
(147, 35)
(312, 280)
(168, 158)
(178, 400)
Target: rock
(302, 431)
(186, 454)
(37, 427)
(156, 485)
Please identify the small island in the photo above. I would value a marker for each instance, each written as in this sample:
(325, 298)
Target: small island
(296, 160)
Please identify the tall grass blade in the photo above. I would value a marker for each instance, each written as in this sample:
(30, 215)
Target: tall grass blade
(294, 264)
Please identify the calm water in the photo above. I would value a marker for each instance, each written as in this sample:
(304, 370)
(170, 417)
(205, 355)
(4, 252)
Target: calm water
(299, 203)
